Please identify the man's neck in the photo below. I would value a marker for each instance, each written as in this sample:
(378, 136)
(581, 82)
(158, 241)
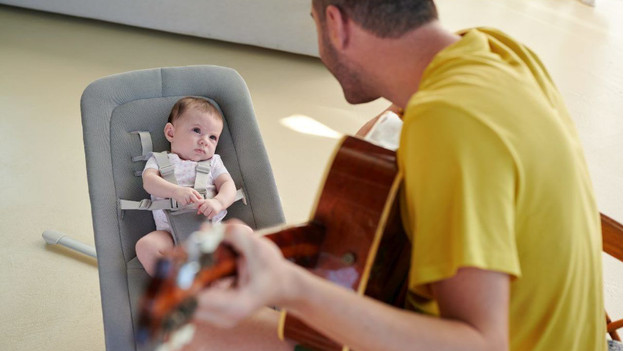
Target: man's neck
(398, 64)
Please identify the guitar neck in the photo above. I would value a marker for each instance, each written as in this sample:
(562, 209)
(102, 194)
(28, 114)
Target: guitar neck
(299, 244)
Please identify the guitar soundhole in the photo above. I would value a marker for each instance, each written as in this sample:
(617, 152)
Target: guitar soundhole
(348, 258)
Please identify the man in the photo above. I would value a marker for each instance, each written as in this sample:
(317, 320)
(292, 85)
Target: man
(496, 200)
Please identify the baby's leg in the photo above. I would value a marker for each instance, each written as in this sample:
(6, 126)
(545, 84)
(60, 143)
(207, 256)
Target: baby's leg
(151, 247)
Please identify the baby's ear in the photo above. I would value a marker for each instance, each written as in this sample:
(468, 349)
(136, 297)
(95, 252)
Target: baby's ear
(169, 130)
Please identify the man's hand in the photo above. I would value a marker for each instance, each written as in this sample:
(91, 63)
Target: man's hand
(263, 276)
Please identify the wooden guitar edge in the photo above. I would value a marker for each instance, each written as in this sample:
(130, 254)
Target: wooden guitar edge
(370, 260)
(282, 323)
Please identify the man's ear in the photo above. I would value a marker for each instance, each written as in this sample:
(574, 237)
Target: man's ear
(169, 130)
(337, 27)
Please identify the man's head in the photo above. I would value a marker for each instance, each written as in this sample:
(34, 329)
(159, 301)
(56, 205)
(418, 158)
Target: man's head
(388, 19)
(194, 128)
(383, 18)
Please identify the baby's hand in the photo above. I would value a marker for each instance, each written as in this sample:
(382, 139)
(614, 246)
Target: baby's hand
(184, 195)
(210, 208)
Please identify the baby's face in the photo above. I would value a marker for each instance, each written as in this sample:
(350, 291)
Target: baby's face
(194, 135)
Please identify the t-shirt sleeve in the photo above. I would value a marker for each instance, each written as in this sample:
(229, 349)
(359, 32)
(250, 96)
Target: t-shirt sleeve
(217, 167)
(460, 185)
(150, 164)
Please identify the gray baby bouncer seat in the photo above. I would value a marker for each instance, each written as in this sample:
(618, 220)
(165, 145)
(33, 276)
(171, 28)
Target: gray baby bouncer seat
(123, 118)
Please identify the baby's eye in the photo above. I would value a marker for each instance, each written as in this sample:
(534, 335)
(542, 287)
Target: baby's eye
(213, 137)
(197, 130)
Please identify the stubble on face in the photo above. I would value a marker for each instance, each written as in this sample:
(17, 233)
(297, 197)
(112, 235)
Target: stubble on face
(354, 85)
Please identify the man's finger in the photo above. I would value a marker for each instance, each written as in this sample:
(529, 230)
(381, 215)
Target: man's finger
(240, 239)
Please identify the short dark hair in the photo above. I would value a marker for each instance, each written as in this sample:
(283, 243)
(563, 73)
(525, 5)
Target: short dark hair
(188, 102)
(384, 18)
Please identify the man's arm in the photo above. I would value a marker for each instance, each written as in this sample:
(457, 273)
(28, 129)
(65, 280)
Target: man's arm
(473, 304)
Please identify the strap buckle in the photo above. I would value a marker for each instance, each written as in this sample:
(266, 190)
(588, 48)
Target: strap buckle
(166, 170)
(203, 168)
(174, 204)
(145, 204)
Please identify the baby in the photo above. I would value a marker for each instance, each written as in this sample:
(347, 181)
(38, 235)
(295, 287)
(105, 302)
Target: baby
(193, 130)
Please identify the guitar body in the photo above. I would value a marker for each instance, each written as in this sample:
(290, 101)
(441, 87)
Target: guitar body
(364, 247)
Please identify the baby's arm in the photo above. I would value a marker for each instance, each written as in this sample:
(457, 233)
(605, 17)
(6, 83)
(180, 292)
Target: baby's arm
(154, 184)
(226, 190)
(226, 193)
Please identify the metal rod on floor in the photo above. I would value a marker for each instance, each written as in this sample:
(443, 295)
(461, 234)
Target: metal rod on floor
(53, 237)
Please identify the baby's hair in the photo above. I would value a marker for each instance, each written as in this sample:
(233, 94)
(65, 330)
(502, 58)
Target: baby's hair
(189, 102)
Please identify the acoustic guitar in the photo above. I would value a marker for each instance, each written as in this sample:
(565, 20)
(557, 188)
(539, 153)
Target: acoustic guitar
(354, 238)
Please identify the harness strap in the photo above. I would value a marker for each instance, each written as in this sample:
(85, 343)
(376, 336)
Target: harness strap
(146, 146)
(166, 170)
(240, 195)
(166, 204)
(202, 172)
(149, 205)
(165, 167)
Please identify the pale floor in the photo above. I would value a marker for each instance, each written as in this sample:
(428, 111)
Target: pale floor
(49, 296)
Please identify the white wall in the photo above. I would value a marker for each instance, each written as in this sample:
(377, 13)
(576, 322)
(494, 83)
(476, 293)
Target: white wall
(275, 24)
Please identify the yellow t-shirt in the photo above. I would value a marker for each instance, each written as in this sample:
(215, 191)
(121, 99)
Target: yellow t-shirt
(495, 178)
